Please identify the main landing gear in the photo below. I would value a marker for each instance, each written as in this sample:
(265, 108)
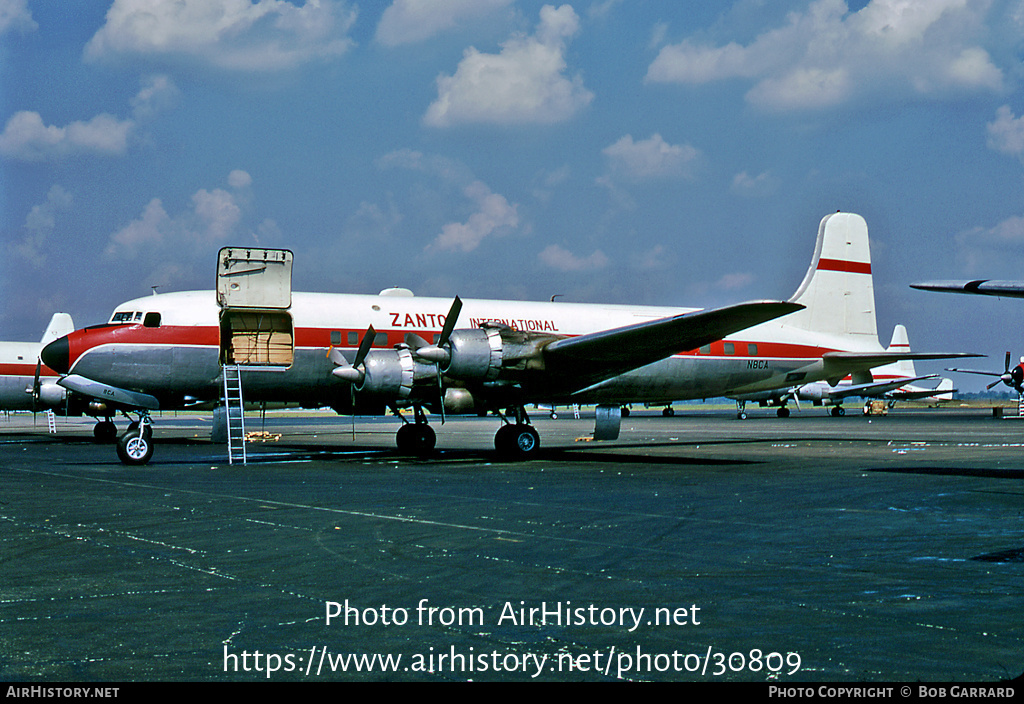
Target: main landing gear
(518, 440)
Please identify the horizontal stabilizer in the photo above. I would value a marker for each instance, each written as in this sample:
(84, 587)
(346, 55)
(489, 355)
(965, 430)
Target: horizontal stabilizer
(839, 364)
(982, 287)
(607, 353)
(876, 388)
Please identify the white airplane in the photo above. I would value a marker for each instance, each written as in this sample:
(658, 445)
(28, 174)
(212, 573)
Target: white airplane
(891, 382)
(167, 351)
(25, 384)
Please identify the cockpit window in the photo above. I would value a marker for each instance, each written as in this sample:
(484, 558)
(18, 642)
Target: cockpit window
(122, 317)
(152, 320)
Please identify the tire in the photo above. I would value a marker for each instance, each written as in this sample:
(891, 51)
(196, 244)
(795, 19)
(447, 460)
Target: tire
(416, 439)
(104, 431)
(519, 441)
(134, 448)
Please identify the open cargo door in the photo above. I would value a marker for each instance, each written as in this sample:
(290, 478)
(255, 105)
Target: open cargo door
(254, 291)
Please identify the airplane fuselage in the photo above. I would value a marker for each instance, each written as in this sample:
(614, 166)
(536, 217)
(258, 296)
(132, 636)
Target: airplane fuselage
(17, 375)
(176, 355)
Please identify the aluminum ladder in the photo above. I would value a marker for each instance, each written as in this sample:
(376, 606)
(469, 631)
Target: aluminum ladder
(235, 412)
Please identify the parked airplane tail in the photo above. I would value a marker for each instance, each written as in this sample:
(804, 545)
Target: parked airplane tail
(944, 391)
(901, 343)
(837, 292)
(60, 325)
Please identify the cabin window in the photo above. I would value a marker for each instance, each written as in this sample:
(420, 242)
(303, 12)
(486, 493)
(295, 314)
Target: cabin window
(152, 320)
(335, 337)
(353, 338)
(380, 339)
(706, 349)
(751, 349)
(730, 348)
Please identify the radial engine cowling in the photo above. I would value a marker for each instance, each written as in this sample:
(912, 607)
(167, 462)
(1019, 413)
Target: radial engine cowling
(811, 392)
(392, 374)
(474, 354)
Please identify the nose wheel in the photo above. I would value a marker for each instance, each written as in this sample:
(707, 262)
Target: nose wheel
(135, 447)
(518, 440)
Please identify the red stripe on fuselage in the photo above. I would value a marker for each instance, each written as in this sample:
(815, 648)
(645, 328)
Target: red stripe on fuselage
(84, 340)
(26, 370)
(846, 266)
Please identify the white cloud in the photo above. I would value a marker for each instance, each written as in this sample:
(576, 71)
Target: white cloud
(1006, 133)
(40, 224)
(560, 258)
(215, 217)
(650, 158)
(754, 186)
(408, 21)
(27, 138)
(494, 216)
(525, 83)
(14, 14)
(231, 34)
(826, 55)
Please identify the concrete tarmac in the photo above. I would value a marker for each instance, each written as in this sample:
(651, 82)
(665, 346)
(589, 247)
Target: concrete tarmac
(694, 548)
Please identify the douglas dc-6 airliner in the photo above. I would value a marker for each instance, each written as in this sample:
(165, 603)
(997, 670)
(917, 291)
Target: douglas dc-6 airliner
(365, 354)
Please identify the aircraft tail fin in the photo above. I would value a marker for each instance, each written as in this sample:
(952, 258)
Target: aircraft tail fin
(838, 292)
(901, 343)
(60, 325)
(944, 391)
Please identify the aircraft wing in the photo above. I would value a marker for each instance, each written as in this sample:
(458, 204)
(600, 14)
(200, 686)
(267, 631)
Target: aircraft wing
(601, 355)
(876, 389)
(982, 287)
(923, 393)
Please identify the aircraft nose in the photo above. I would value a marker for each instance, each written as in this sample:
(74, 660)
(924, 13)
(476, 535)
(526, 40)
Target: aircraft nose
(56, 355)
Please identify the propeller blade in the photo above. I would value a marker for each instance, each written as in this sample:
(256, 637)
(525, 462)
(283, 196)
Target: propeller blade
(414, 341)
(364, 346)
(1006, 364)
(994, 383)
(450, 321)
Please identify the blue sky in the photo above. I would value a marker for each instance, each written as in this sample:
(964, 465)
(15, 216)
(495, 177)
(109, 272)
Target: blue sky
(651, 152)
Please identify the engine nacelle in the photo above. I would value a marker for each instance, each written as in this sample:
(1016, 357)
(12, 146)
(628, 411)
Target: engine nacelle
(475, 354)
(811, 392)
(52, 395)
(392, 374)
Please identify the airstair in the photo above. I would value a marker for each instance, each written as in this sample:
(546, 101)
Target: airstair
(235, 411)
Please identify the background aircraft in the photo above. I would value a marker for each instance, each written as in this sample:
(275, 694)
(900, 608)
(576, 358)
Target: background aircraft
(25, 383)
(366, 354)
(891, 382)
(980, 287)
(1014, 378)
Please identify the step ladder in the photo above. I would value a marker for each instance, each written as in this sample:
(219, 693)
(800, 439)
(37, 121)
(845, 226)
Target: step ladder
(51, 421)
(1020, 405)
(235, 412)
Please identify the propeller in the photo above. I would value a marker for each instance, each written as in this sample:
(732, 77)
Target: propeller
(36, 387)
(438, 353)
(1014, 378)
(352, 373)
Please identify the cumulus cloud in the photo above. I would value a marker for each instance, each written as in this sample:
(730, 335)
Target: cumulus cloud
(408, 21)
(650, 158)
(754, 186)
(15, 15)
(27, 138)
(561, 259)
(40, 224)
(214, 217)
(525, 83)
(494, 215)
(230, 34)
(827, 55)
(1006, 133)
